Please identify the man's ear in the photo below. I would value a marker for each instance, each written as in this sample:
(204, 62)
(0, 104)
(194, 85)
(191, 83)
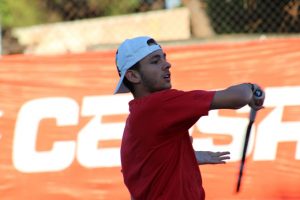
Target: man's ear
(133, 76)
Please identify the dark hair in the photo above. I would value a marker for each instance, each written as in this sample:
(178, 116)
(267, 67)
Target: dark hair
(126, 82)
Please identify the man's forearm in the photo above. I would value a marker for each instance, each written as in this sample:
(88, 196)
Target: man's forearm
(233, 97)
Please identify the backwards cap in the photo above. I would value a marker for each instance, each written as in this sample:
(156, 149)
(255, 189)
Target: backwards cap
(129, 53)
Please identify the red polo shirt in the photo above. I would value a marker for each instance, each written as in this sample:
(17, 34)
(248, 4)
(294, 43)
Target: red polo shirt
(158, 160)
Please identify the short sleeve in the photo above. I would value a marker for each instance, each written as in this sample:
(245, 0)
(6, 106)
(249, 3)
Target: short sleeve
(183, 109)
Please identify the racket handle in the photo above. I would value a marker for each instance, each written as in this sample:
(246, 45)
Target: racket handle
(252, 115)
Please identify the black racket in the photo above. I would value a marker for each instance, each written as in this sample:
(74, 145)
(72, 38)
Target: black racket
(257, 94)
(251, 121)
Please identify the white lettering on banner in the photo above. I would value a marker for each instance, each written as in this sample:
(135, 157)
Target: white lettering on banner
(233, 126)
(272, 130)
(25, 157)
(269, 133)
(90, 154)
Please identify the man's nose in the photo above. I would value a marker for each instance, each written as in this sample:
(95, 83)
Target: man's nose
(166, 65)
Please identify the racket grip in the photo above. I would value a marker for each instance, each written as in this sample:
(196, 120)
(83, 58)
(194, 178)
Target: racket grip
(252, 115)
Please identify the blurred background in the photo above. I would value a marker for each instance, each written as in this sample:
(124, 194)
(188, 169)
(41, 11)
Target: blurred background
(61, 126)
(58, 26)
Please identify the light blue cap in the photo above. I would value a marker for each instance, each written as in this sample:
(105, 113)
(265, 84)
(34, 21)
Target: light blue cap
(129, 53)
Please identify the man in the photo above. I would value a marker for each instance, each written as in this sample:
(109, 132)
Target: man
(157, 156)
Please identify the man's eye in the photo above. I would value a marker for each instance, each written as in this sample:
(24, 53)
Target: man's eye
(154, 61)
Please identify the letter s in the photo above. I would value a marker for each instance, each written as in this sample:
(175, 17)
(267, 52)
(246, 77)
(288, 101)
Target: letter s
(232, 126)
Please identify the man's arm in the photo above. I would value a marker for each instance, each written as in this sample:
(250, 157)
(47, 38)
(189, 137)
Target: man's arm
(235, 97)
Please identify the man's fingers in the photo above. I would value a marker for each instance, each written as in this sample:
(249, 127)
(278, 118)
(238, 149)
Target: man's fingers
(222, 153)
(218, 162)
(224, 158)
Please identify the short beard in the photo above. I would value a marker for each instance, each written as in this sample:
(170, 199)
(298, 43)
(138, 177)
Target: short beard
(149, 83)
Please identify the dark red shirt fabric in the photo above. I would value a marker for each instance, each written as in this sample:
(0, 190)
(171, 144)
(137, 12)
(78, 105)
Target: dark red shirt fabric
(158, 160)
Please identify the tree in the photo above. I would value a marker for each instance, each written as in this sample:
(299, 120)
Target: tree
(20, 13)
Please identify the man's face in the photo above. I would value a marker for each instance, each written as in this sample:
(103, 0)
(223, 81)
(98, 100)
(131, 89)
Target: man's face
(155, 72)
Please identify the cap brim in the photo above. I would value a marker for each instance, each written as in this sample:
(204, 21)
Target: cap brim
(121, 88)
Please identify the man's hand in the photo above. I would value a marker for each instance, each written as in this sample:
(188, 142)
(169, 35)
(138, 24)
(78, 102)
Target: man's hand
(209, 157)
(258, 97)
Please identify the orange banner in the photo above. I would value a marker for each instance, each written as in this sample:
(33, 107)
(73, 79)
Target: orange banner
(60, 125)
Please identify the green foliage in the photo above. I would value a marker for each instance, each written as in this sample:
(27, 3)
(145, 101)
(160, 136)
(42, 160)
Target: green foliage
(19, 13)
(113, 7)
(29, 12)
(116, 7)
